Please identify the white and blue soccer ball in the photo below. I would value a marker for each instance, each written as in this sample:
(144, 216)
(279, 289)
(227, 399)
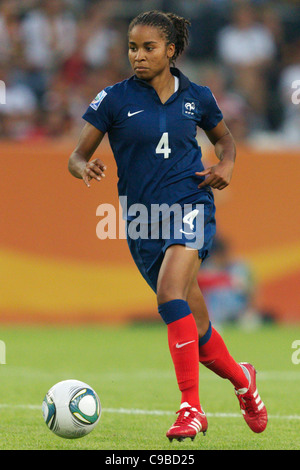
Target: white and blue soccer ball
(71, 409)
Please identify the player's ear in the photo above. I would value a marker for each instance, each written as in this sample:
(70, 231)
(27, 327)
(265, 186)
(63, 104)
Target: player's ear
(170, 50)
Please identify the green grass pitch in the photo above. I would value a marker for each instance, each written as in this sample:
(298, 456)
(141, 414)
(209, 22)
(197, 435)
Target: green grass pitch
(131, 370)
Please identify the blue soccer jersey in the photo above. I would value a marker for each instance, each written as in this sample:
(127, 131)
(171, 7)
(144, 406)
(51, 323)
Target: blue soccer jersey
(154, 144)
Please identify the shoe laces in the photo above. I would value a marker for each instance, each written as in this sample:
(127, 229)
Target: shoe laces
(184, 416)
(248, 404)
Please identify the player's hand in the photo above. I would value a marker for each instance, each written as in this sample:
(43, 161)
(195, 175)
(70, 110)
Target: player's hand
(93, 170)
(217, 176)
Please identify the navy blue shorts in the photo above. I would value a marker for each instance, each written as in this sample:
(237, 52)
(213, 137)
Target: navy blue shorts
(194, 227)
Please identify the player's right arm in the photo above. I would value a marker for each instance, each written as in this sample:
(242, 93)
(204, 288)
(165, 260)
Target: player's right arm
(79, 164)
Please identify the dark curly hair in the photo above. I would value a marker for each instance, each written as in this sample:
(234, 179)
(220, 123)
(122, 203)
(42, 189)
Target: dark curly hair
(174, 28)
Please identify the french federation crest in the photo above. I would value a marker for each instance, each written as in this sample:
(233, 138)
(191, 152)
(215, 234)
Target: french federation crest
(189, 108)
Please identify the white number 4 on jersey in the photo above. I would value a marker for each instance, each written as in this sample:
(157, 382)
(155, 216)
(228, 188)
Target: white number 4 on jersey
(189, 218)
(163, 145)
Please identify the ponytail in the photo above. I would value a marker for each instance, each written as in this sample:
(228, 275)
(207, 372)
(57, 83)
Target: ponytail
(174, 28)
(182, 33)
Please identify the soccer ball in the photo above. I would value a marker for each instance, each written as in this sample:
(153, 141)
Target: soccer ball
(71, 409)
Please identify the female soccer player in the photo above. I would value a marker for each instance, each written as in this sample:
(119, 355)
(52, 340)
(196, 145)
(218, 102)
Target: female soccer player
(151, 120)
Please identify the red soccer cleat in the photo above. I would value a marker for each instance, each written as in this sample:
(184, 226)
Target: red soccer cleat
(252, 407)
(190, 421)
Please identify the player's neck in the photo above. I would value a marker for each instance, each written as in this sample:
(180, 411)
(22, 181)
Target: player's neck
(164, 84)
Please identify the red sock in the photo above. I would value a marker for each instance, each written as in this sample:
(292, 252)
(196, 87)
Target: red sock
(215, 356)
(183, 344)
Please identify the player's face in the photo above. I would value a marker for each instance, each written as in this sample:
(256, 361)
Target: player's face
(149, 55)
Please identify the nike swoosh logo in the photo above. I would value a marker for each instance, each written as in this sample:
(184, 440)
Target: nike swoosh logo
(132, 114)
(178, 346)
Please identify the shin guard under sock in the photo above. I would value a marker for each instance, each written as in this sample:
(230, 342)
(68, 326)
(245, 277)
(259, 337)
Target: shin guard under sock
(214, 354)
(183, 345)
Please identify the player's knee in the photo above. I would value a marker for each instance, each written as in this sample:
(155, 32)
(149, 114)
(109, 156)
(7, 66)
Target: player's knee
(165, 293)
(171, 288)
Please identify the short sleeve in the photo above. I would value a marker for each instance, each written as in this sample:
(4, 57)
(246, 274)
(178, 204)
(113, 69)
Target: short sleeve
(211, 115)
(100, 111)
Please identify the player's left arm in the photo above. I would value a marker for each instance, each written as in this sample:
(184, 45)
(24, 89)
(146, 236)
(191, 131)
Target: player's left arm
(219, 176)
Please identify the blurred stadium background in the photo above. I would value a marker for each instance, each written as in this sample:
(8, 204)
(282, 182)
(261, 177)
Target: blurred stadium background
(55, 56)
